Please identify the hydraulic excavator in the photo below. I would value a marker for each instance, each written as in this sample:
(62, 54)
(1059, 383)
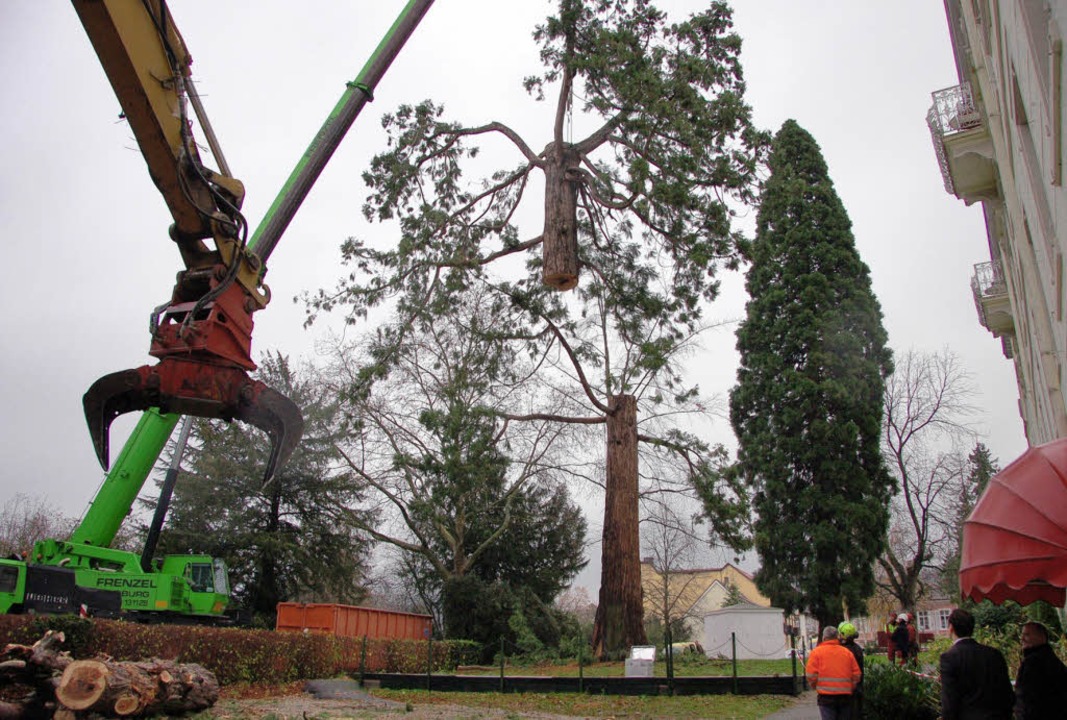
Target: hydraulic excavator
(202, 335)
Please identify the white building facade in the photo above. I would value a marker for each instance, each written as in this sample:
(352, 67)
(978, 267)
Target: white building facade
(998, 136)
(747, 632)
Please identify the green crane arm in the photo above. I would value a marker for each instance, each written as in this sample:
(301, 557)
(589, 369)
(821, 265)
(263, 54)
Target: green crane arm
(128, 475)
(130, 470)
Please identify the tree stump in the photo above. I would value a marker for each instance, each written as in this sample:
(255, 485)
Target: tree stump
(124, 689)
(28, 675)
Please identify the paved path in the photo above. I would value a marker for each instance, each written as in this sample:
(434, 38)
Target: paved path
(803, 709)
(346, 689)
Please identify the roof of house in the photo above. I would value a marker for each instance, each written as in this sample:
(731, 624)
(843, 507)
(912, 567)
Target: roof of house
(745, 609)
(698, 590)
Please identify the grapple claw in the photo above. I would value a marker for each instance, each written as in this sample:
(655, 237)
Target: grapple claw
(107, 398)
(276, 415)
(193, 388)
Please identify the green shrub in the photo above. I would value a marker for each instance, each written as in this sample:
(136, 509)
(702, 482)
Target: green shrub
(577, 646)
(691, 659)
(461, 652)
(239, 655)
(77, 631)
(525, 639)
(28, 629)
(1047, 615)
(893, 693)
(997, 617)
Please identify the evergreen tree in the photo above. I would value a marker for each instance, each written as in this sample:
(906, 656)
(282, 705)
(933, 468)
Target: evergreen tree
(807, 406)
(463, 493)
(981, 467)
(544, 546)
(734, 596)
(293, 538)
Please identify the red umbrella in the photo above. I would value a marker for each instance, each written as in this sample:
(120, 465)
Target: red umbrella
(1015, 541)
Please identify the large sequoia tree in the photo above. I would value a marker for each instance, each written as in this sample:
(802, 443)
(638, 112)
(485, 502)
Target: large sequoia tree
(639, 204)
(807, 407)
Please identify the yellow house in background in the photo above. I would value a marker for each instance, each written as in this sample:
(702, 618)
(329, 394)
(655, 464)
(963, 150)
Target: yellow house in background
(689, 595)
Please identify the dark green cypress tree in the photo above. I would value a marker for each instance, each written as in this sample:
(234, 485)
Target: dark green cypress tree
(981, 467)
(807, 406)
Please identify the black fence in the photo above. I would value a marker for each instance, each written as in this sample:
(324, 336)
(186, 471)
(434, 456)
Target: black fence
(672, 684)
(701, 685)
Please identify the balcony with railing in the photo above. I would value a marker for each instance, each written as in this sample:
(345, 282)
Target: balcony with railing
(962, 144)
(991, 299)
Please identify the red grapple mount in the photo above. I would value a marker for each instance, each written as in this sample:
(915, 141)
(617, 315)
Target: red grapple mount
(203, 371)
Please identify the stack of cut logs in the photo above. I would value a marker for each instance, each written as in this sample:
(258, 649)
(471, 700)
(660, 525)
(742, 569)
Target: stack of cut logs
(40, 681)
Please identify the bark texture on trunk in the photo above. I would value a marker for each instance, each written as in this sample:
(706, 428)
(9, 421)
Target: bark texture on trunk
(560, 237)
(619, 622)
(52, 684)
(122, 689)
(28, 677)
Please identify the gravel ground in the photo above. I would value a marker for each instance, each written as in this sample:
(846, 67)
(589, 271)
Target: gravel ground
(344, 699)
(308, 707)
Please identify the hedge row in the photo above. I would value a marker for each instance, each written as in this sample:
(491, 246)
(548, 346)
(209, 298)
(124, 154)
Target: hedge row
(240, 655)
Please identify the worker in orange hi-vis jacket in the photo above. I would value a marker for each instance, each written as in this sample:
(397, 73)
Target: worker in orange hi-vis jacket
(833, 672)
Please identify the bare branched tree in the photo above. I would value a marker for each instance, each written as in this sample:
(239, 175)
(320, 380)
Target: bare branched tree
(672, 541)
(25, 519)
(452, 478)
(927, 406)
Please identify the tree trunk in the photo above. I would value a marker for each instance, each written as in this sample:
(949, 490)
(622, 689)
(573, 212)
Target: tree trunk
(28, 674)
(619, 621)
(120, 689)
(560, 236)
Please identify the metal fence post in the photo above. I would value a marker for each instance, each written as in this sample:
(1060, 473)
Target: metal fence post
(363, 661)
(733, 651)
(501, 663)
(668, 647)
(793, 654)
(429, 659)
(581, 677)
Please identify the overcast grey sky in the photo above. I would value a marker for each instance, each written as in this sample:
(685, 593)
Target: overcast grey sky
(86, 250)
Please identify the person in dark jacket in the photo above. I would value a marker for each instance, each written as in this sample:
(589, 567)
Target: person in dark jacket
(847, 633)
(913, 641)
(901, 638)
(974, 677)
(1041, 686)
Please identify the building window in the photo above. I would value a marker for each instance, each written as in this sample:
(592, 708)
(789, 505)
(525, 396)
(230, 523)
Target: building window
(942, 619)
(924, 620)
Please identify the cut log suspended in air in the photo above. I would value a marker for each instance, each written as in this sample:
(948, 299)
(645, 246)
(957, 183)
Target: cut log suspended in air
(124, 689)
(560, 237)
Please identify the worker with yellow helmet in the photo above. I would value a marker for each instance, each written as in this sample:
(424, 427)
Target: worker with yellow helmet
(847, 632)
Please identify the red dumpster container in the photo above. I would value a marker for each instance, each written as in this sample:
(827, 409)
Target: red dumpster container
(352, 621)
